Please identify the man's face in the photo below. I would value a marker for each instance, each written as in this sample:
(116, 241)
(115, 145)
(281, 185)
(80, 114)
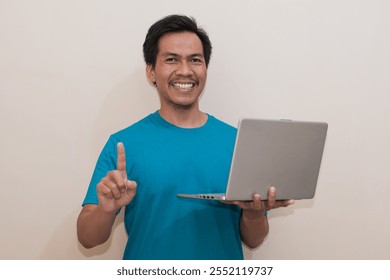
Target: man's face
(180, 71)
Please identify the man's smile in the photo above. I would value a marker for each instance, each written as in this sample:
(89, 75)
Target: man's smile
(185, 86)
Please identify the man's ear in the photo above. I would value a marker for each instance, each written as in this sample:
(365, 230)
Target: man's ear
(150, 74)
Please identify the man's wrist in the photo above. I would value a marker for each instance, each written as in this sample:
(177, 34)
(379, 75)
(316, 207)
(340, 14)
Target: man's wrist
(101, 212)
(251, 215)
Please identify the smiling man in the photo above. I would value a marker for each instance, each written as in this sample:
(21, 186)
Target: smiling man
(174, 150)
(179, 74)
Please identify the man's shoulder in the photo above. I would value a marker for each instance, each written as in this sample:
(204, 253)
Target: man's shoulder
(221, 124)
(135, 127)
(133, 133)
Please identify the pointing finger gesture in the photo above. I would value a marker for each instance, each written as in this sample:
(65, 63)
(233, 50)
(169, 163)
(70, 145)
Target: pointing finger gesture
(114, 190)
(121, 165)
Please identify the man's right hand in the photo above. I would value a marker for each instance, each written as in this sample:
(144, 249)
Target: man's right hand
(115, 191)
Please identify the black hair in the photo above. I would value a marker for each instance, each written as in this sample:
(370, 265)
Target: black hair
(169, 24)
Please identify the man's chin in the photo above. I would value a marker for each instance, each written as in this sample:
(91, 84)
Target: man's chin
(183, 107)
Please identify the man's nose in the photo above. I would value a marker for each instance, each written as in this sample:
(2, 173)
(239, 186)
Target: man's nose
(184, 69)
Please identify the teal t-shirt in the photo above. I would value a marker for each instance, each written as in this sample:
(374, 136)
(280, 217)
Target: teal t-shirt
(165, 160)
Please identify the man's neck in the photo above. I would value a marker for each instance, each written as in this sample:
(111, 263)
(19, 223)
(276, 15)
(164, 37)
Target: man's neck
(185, 118)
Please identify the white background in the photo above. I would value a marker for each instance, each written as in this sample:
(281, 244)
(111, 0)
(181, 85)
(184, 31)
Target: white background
(72, 73)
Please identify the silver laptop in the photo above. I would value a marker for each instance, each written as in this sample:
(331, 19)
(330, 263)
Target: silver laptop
(282, 153)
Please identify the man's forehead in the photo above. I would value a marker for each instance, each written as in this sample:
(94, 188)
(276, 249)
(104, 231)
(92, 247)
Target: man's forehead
(179, 42)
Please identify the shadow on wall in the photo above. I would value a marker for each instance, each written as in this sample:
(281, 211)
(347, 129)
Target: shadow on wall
(64, 245)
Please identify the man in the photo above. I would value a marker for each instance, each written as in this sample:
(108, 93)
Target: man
(177, 149)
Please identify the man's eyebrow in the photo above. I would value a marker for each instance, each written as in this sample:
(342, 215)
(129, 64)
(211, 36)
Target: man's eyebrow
(177, 55)
(197, 54)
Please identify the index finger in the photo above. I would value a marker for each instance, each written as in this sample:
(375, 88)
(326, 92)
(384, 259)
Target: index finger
(271, 196)
(121, 159)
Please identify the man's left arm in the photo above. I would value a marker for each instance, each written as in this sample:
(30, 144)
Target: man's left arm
(254, 226)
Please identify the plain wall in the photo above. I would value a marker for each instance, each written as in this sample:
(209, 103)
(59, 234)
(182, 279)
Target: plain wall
(72, 73)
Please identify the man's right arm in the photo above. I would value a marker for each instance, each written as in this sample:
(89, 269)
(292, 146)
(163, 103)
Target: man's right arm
(114, 191)
(94, 226)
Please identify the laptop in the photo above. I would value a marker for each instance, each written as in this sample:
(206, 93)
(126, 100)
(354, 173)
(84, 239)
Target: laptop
(285, 154)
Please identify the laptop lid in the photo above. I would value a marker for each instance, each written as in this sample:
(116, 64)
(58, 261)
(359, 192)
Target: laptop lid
(282, 153)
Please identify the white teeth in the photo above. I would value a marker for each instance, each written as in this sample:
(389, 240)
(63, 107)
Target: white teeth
(183, 86)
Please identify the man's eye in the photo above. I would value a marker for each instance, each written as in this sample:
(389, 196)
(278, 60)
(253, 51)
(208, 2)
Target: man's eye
(170, 59)
(196, 60)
